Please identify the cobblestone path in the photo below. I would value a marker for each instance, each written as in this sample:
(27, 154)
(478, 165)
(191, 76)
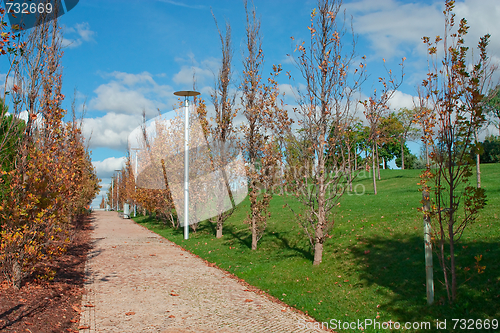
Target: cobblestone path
(137, 281)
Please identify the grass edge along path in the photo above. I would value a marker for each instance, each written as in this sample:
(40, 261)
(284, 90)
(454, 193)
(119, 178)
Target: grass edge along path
(373, 266)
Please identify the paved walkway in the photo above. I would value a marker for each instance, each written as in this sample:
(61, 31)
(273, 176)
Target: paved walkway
(138, 281)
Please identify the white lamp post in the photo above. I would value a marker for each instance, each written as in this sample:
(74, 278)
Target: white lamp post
(112, 193)
(118, 190)
(135, 178)
(186, 94)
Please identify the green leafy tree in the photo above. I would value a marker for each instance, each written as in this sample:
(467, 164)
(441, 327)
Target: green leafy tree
(492, 106)
(491, 149)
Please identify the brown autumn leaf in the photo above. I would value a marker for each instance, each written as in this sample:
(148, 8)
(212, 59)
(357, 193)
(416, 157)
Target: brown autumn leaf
(171, 316)
(131, 313)
(74, 320)
(84, 327)
(89, 305)
(173, 294)
(248, 300)
(74, 307)
(27, 323)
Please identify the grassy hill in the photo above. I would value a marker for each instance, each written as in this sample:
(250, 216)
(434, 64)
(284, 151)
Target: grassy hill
(373, 264)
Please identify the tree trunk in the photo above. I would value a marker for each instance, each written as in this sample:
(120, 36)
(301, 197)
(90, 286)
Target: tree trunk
(219, 227)
(478, 170)
(452, 262)
(445, 272)
(402, 155)
(478, 167)
(427, 154)
(349, 171)
(429, 274)
(374, 170)
(320, 227)
(17, 274)
(378, 161)
(318, 250)
(254, 232)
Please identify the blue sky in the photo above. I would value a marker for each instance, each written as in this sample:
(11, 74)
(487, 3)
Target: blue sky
(126, 56)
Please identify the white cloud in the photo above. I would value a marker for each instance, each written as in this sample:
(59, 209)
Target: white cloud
(203, 72)
(401, 100)
(78, 34)
(106, 169)
(131, 94)
(110, 130)
(395, 29)
(117, 98)
(186, 74)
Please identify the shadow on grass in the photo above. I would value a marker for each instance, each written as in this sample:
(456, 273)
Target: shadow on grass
(397, 266)
(292, 246)
(243, 236)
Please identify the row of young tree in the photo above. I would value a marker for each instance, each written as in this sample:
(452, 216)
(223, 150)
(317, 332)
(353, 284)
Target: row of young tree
(46, 179)
(315, 150)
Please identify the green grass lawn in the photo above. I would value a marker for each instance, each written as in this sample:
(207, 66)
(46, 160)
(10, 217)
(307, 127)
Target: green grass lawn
(373, 265)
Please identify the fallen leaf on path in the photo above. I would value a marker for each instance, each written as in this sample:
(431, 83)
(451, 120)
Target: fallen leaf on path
(171, 316)
(27, 323)
(89, 305)
(129, 313)
(73, 320)
(84, 327)
(248, 300)
(74, 307)
(174, 294)
(152, 255)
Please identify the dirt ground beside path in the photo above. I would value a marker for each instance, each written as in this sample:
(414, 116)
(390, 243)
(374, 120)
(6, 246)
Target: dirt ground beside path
(137, 281)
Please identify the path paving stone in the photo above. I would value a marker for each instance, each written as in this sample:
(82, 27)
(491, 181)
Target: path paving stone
(137, 281)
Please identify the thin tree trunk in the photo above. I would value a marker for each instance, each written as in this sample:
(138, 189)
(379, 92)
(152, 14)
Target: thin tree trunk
(452, 262)
(478, 168)
(378, 161)
(254, 233)
(349, 167)
(445, 272)
(427, 154)
(318, 247)
(402, 155)
(319, 230)
(429, 274)
(374, 171)
(219, 227)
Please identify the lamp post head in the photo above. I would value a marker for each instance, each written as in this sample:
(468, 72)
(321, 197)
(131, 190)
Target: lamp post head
(186, 93)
